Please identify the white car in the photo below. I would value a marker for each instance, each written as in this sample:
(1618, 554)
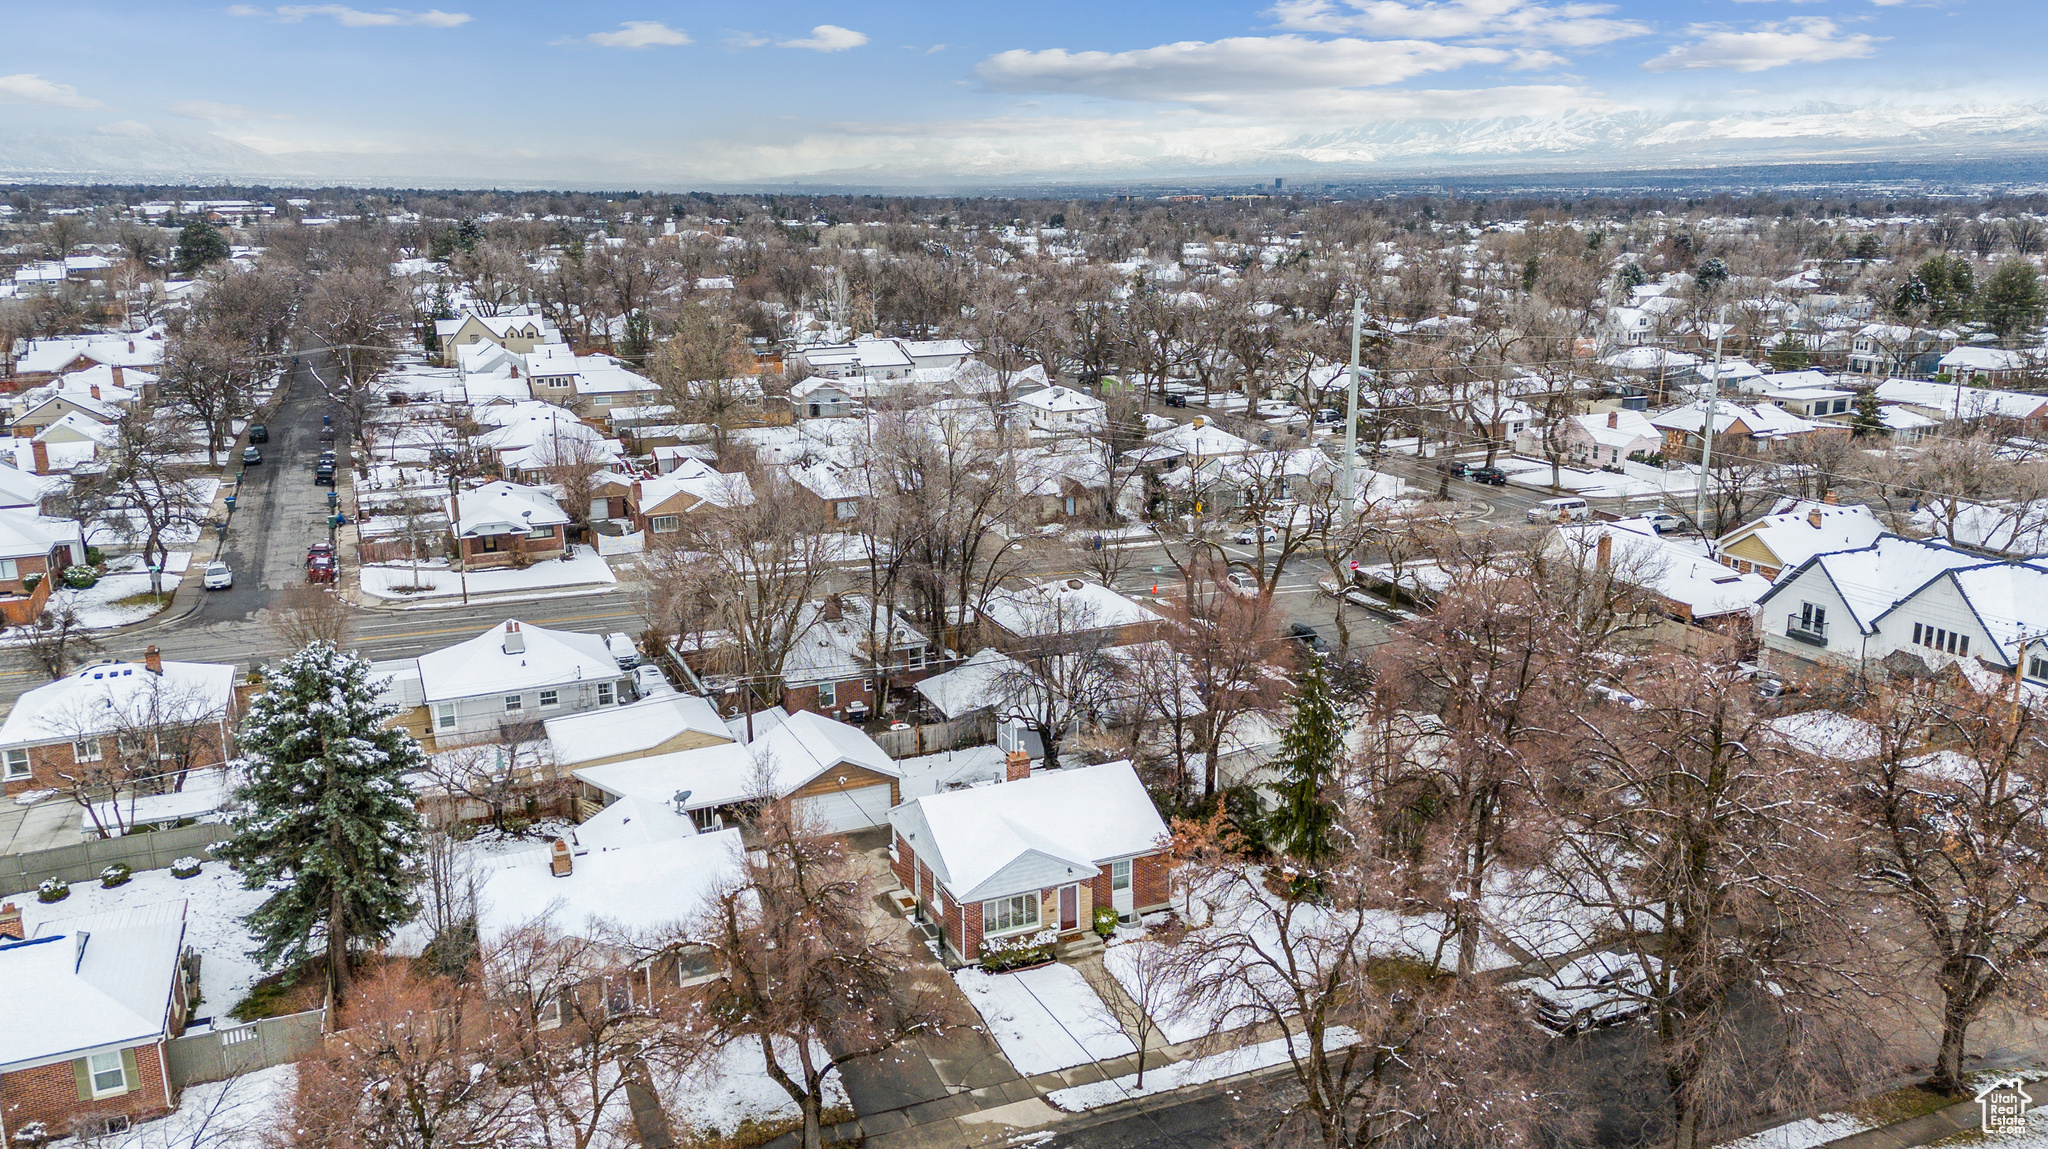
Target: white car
(1595, 990)
(1251, 535)
(1661, 521)
(1240, 583)
(217, 577)
(648, 680)
(620, 644)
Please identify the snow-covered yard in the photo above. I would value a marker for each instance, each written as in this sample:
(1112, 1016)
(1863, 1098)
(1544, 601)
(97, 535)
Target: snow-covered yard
(733, 1087)
(1636, 481)
(1804, 1133)
(1044, 1019)
(1165, 1078)
(239, 1113)
(102, 604)
(215, 905)
(584, 568)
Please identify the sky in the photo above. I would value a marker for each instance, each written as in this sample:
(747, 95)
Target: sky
(659, 94)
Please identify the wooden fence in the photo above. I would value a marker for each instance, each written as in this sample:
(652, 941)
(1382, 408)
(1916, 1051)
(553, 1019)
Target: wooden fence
(154, 850)
(974, 730)
(225, 1053)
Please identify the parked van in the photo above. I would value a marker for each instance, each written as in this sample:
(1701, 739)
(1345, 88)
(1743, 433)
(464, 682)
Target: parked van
(1570, 507)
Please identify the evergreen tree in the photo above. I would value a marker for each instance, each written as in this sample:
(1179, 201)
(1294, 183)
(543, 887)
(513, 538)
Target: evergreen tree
(1869, 418)
(330, 817)
(2011, 303)
(199, 244)
(1789, 354)
(1309, 751)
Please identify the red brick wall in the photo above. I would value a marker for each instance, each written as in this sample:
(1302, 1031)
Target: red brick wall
(46, 762)
(1149, 881)
(1100, 889)
(795, 698)
(970, 929)
(49, 1094)
(904, 864)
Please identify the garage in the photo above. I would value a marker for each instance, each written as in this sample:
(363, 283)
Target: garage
(844, 811)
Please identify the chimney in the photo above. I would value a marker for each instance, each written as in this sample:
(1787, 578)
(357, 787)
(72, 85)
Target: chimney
(1604, 558)
(1016, 766)
(153, 660)
(560, 861)
(1813, 518)
(10, 921)
(515, 642)
(95, 390)
(117, 383)
(1831, 498)
(1613, 420)
(131, 345)
(833, 610)
(41, 450)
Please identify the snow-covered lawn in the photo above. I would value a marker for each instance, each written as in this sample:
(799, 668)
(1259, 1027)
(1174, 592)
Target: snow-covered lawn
(582, 569)
(100, 606)
(1637, 481)
(733, 1087)
(933, 773)
(216, 903)
(1804, 1133)
(1044, 1019)
(239, 1113)
(1165, 1078)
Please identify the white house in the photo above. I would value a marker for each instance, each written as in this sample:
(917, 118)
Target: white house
(1059, 409)
(510, 675)
(1972, 364)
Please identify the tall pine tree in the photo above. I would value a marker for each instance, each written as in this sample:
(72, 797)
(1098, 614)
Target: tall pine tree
(1301, 824)
(330, 817)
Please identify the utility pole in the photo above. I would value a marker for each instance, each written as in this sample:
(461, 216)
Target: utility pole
(1707, 427)
(1351, 414)
(455, 513)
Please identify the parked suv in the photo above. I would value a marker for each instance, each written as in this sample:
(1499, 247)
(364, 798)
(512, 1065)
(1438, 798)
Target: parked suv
(323, 475)
(258, 433)
(1455, 468)
(1492, 476)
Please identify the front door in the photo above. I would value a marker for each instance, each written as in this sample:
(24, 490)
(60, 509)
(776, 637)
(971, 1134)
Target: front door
(1070, 907)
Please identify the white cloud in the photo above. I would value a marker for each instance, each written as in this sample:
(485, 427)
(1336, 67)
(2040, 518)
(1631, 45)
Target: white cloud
(1217, 72)
(1806, 41)
(1575, 25)
(355, 17)
(30, 88)
(828, 38)
(639, 34)
(215, 110)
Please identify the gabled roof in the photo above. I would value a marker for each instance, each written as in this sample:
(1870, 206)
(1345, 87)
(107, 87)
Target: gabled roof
(798, 749)
(699, 482)
(1064, 606)
(24, 534)
(632, 729)
(109, 695)
(1049, 829)
(501, 508)
(635, 889)
(99, 981)
(1872, 580)
(1060, 399)
(1790, 533)
(482, 665)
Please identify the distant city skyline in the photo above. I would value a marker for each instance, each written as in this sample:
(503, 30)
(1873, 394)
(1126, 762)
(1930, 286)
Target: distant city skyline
(670, 95)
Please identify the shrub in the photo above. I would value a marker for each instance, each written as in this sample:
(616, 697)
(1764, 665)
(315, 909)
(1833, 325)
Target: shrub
(1017, 952)
(186, 867)
(1105, 920)
(95, 557)
(32, 1134)
(53, 890)
(117, 874)
(29, 582)
(521, 560)
(79, 577)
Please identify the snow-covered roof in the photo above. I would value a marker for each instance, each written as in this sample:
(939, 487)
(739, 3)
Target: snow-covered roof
(633, 729)
(1960, 401)
(701, 483)
(1049, 829)
(25, 534)
(1648, 359)
(1673, 570)
(18, 488)
(90, 983)
(1064, 606)
(109, 696)
(1764, 420)
(489, 664)
(633, 889)
(1057, 399)
(970, 686)
(633, 822)
(799, 748)
(1874, 579)
(1827, 733)
(1798, 529)
(1201, 439)
(502, 508)
(1972, 358)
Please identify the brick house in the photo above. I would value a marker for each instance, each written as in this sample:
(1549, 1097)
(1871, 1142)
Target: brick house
(1065, 612)
(498, 523)
(33, 547)
(91, 1002)
(1038, 852)
(658, 505)
(126, 718)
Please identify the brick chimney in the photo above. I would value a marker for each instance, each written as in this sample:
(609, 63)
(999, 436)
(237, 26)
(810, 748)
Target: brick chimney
(1614, 420)
(1016, 766)
(833, 610)
(117, 383)
(95, 390)
(10, 921)
(41, 451)
(153, 660)
(1604, 557)
(1831, 499)
(561, 863)
(1813, 518)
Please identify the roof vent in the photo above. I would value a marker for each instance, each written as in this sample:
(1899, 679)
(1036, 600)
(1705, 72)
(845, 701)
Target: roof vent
(515, 642)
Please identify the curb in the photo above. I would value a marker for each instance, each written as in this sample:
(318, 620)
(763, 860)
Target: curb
(456, 603)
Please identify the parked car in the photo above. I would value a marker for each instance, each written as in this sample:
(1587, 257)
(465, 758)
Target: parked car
(1455, 468)
(258, 433)
(1598, 989)
(1238, 582)
(327, 434)
(1306, 635)
(1254, 534)
(1328, 416)
(1176, 400)
(622, 649)
(251, 456)
(319, 550)
(217, 576)
(320, 569)
(648, 681)
(1492, 476)
(1662, 521)
(1570, 507)
(323, 475)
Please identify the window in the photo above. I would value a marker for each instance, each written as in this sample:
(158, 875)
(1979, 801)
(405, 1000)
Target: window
(707, 819)
(542, 533)
(602, 400)
(662, 524)
(1120, 875)
(514, 703)
(108, 1075)
(548, 1011)
(828, 694)
(845, 509)
(1009, 915)
(695, 965)
(8, 571)
(604, 694)
(1916, 634)
(548, 698)
(444, 716)
(1813, 618)
(2037, 667)
(86, 751)
(17, 763)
